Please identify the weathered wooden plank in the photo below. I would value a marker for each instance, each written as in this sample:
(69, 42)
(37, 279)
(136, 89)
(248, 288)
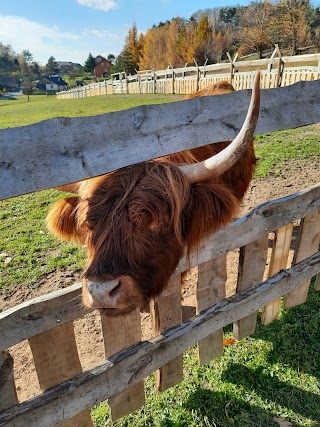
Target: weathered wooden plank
(252, 262)
(119, 333)
(211, 288)
(56, 360)
(137, 362)
(307, 244)
(279, 259)
(43, 313)
(166, 312)
(265, 218)
(40, 314)
(317, 283)
(8, 396)
(63, 150)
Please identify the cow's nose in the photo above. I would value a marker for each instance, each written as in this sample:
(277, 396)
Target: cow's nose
(104, 294)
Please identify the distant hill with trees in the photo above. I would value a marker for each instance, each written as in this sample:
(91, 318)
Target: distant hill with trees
(206, 37)
(210, 33)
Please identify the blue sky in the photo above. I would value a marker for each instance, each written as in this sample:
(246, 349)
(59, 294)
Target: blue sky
(70, 29)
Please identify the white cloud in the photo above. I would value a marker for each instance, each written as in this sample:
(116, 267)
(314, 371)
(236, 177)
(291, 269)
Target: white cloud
(44, 41)
(105, 5)
(102, 34)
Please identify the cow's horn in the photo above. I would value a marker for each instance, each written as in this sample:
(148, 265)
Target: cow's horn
(219, 163)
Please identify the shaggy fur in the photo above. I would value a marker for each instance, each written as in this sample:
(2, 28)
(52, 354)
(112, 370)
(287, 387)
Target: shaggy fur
(136, 221)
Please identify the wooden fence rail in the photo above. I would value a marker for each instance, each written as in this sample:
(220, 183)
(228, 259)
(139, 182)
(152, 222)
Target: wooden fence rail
(54, 152)
(46, 154)
(275, 72)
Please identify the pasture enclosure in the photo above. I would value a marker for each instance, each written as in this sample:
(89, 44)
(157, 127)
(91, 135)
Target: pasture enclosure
(275, 71)
(60, 151)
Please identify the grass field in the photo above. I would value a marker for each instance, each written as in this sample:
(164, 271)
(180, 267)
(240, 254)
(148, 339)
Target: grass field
(274, 373)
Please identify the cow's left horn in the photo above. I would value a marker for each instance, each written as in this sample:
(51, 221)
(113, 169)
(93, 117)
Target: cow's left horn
(219, 163)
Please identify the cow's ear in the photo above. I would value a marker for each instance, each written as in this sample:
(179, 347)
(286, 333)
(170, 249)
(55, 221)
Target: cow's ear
(212, 205)
(62, 220)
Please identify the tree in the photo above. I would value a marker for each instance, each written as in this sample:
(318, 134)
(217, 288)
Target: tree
(8, 61)
(89, 64)
(111, 58)
(131, 53)
(27, 86)
(292, 19)
(118, 65)
(255, 26)
(204, 41)
(35, 69)
(51, 66)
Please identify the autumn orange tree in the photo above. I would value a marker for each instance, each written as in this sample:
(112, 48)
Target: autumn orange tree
(293, 23)
(255, 26)
(209, 34)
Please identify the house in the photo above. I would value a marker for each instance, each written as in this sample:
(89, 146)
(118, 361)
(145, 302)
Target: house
(9, 84)
(102, 67)
(51, 84)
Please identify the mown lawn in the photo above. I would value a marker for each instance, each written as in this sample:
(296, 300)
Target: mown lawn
(275, 372)
(20, 112)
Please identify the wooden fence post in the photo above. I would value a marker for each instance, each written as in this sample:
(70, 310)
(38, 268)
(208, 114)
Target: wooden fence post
(56, 360)
(154, 86)
(232, 67)
(307, 244)
(280, 66)
(8, 396)
(173, 79)
(197, 75)
(279, 258)
(211, 288)
(119, 333)
(126, 82)
(252, 264)
(166, 311)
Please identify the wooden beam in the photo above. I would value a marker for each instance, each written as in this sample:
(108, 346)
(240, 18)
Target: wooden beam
(56, 360)
(117, 336)
(45, 312)
(211, 288)
(252, 263)
(137, 362)
(8, 395)
(279, 259)
(64, 150)
(166, 312)
(307, 244)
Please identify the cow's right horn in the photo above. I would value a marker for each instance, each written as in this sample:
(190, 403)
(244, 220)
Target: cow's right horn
(221, 162)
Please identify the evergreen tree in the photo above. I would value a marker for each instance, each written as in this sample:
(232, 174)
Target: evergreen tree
(111, 58)
(89, 64)
(51, 66)
(118, 65)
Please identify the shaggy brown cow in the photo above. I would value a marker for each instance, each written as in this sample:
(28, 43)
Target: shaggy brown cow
(136, 221)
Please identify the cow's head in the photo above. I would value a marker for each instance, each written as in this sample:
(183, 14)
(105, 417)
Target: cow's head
(136, 221)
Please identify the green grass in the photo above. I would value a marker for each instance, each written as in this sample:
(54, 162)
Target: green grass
(274, 149)
(34, 253)
(20, 112)
(275, 372)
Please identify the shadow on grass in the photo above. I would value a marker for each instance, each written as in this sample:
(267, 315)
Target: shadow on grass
(295, 336)
(221, 409)
(271, 389)
(295, 339)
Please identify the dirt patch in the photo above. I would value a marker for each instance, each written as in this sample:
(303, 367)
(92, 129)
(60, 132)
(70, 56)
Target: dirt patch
(294, 176)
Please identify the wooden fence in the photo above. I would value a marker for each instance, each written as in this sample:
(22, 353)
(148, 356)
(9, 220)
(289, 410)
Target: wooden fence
(275, 72)
(59, 151)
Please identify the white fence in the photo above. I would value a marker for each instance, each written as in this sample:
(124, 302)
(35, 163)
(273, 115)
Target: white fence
(275, 72)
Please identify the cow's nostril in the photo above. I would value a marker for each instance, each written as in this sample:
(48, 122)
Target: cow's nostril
(115, 291)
